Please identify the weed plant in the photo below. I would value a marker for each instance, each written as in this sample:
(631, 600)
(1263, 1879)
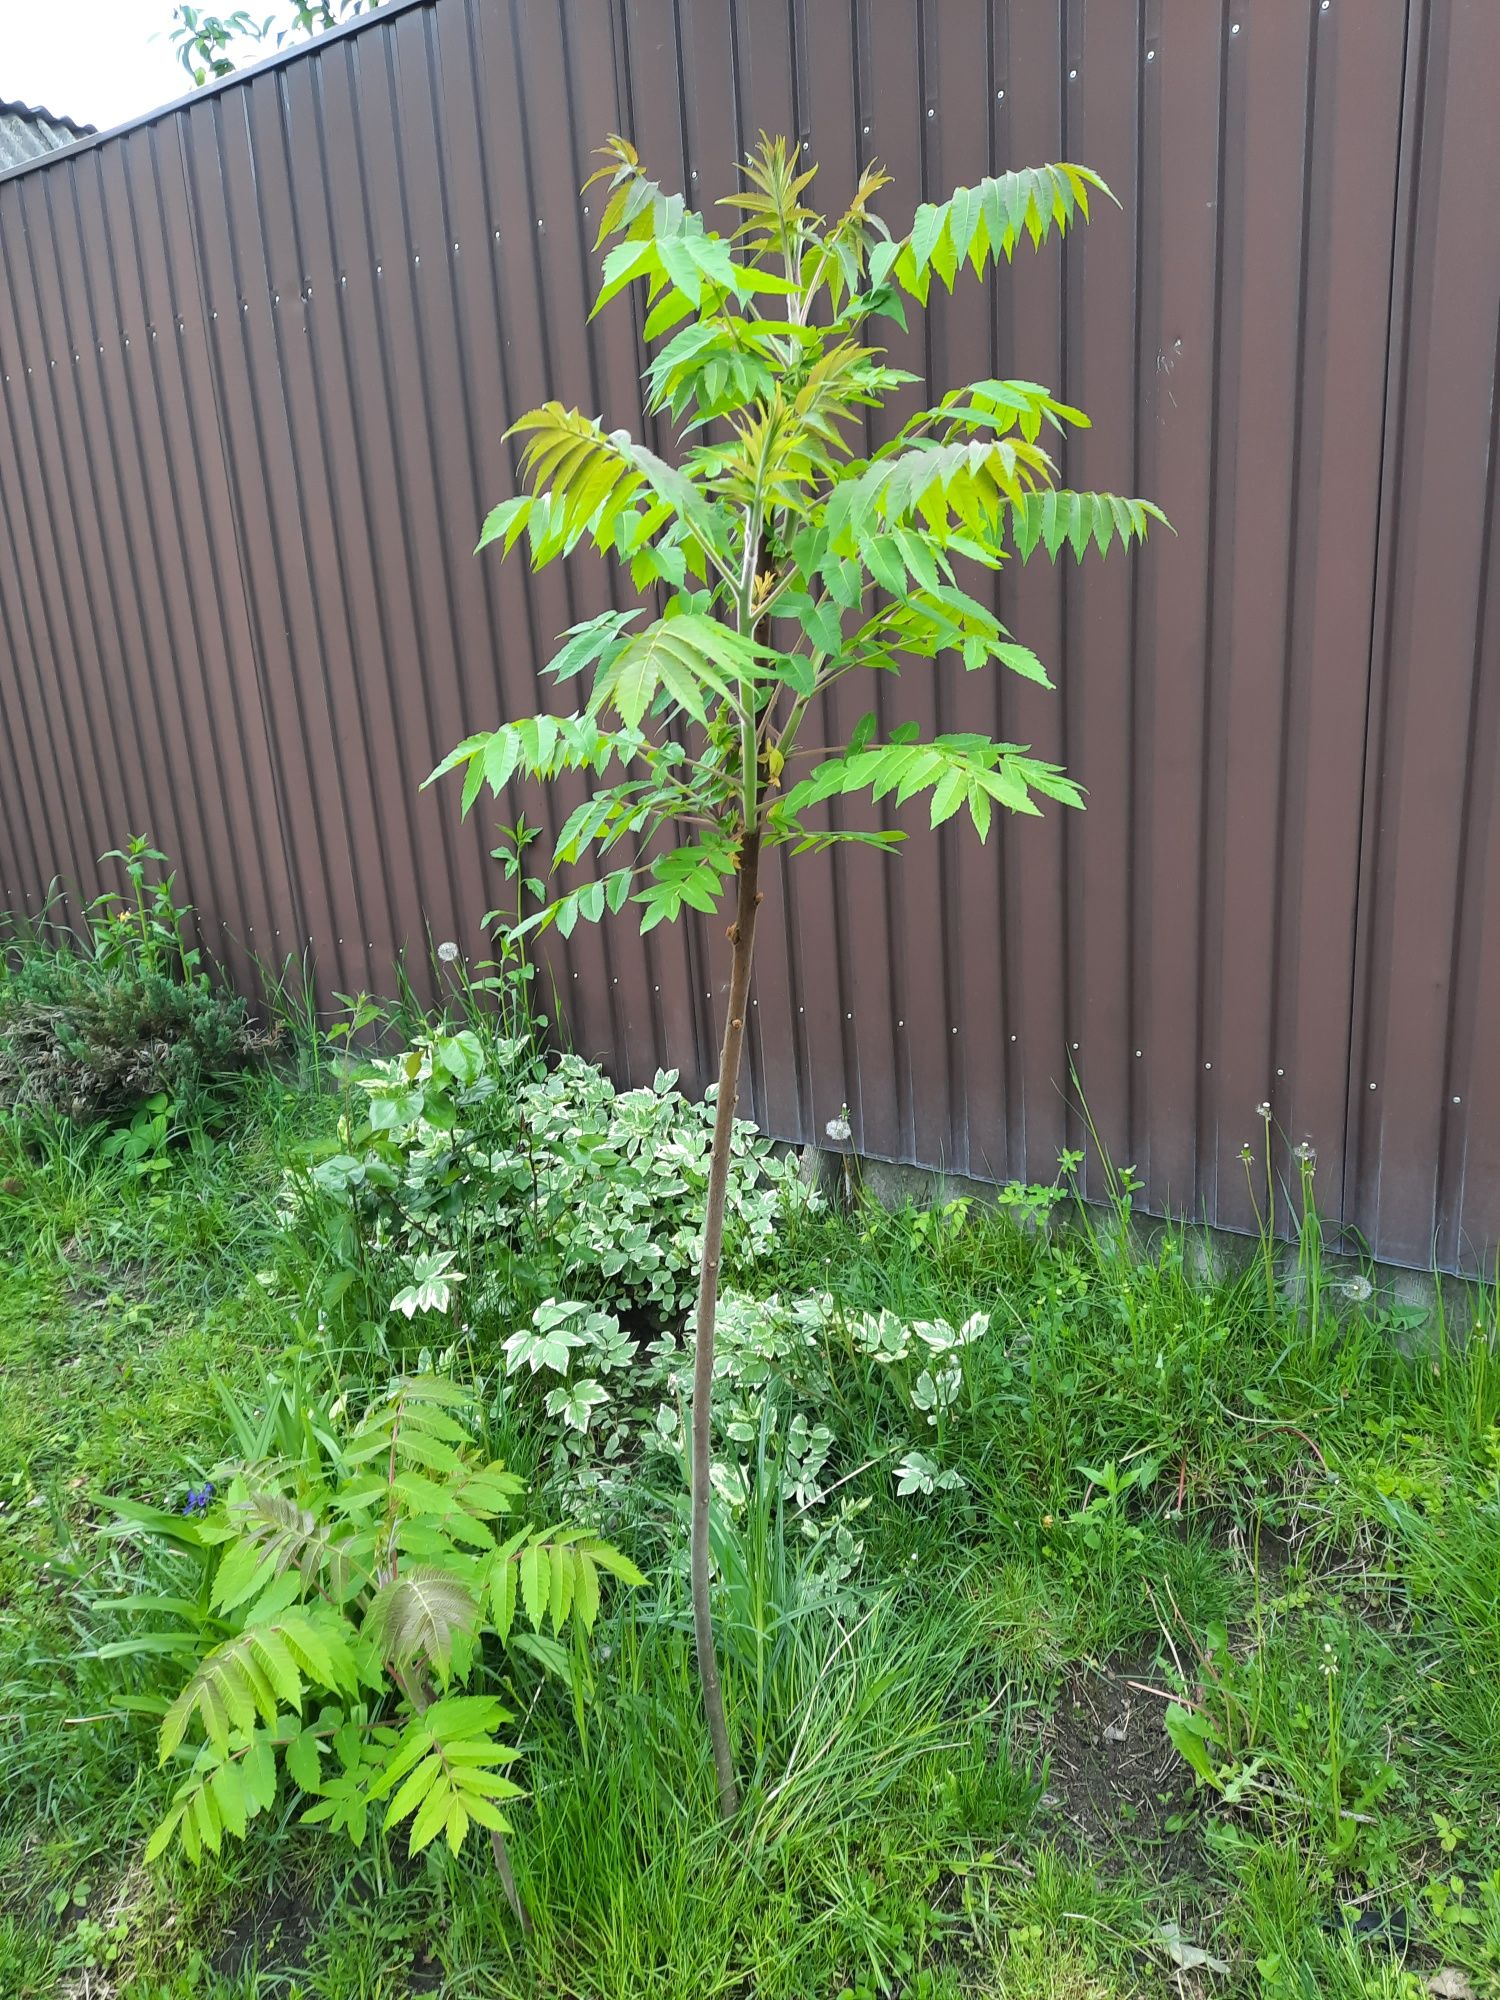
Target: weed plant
(120, 1018)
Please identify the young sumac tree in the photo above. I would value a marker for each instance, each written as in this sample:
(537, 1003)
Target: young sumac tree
(777, 555)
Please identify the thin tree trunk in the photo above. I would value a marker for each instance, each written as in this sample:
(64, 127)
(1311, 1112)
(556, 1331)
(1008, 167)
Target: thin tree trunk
(742, 937)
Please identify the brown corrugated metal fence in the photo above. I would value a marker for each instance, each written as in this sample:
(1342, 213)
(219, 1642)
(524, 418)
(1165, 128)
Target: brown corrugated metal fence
(258, 354)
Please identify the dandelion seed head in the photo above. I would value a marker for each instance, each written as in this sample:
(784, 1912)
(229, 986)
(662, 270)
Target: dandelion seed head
(447, 952)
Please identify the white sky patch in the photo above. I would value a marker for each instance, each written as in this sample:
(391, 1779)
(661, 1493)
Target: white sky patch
(100, 62)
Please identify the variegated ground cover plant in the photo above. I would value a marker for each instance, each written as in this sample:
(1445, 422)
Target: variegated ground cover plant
(615, 1402)
(460, 1150)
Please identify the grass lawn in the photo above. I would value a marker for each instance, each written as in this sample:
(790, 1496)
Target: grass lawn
(1173, 1501)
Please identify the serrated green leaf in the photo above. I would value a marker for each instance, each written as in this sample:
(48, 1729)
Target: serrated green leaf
(260, 1774)
(215, 1717)
(229, 1799)
(320, 1652)
(980, 810)
(457, 1719)
(564, 1582)
(948, 796)
(243, 1568)
(499, 758)
(418, 1782)
(618, 1565)
(586, 1593)
(1021, 660)
(507, 519)
(483, 1813)
(273, 1655)
(205, 1814)
(536, 1584)
(161, 1839)
(302, 1761)
(428, 1451)
(927, 227)
(504, 1583)
(422, 1495)
(432, 1816)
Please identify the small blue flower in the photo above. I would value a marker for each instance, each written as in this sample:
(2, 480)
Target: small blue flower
(199, 1499)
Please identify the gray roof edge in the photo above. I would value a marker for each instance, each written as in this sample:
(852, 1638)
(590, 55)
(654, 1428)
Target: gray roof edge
(38, 114)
